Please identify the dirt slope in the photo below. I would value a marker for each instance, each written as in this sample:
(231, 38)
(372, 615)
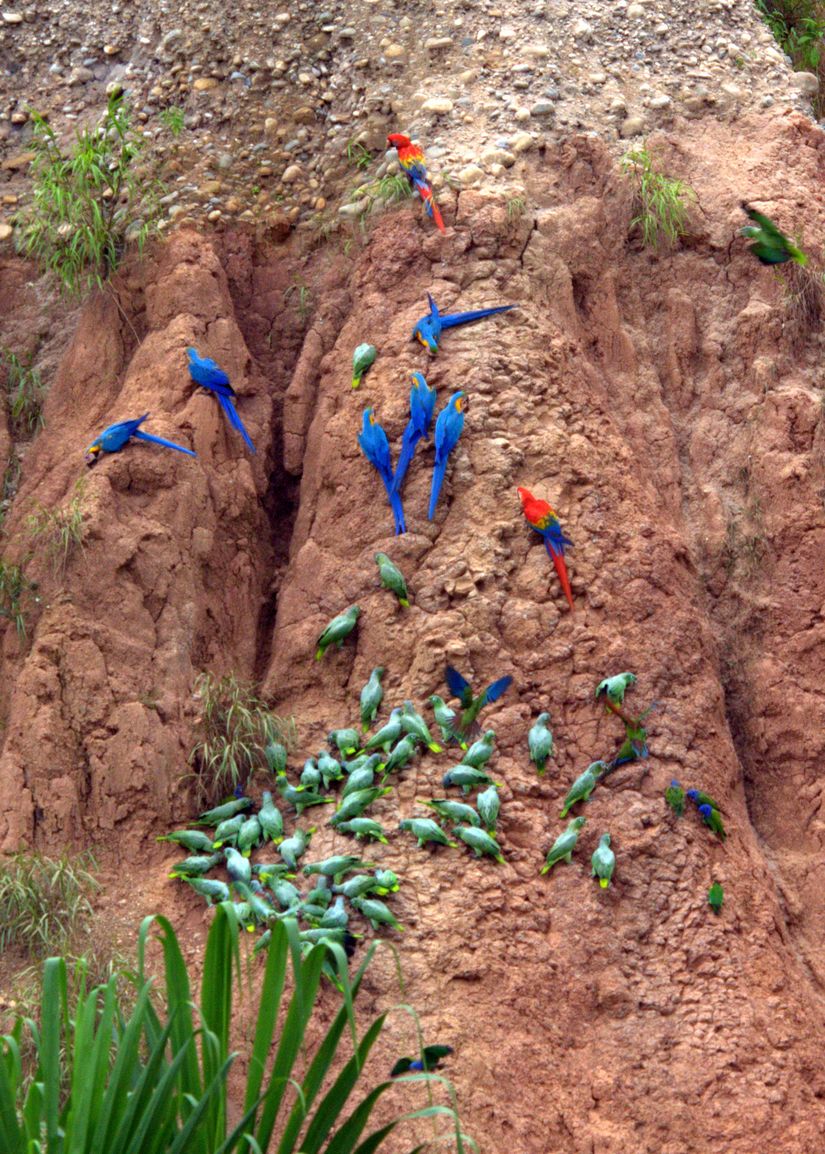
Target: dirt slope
(658, 404)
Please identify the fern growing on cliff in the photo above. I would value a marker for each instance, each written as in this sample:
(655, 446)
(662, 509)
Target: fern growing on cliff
(660, 203)
(88, 202)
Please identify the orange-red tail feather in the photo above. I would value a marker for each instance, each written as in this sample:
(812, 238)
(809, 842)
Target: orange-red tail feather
(561, 569)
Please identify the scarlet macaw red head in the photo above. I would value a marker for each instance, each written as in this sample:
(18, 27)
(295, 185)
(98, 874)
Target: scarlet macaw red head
(398, 140)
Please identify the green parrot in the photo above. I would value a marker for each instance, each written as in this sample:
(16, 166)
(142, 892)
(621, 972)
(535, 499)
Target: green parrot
(413, 723)
(195, 867)
(362, 778)
(716, 897)
(315, 936)
(393, 579)
(192, 839)
(402, 753)
(454, 810)
(387, 735)
(770, 246)
(363, 827)
(222, 812)
(675, 798)
(358, 886)
(431, 1057)
(270, 818)
(479, 841)
(266, 870)
(540, 742)
(615, 687)
(249, 835)
(489, 805)
(356, 803)
(260, 909)
(275, 754)
(562, 848)
(425, 829)
(286, 894)
(362, 359)
(371, 697)
(212, 890)
(480, 751)
(321, 895)
(460, 687)
(335, 867)
(298, 797)
(338, 630)
(310, 775)
(227, 832)
(292, 848)
(237, 866)
(386, 881)
(376, 913)
(330, 769)
(603, 861)
(699, 798)
(444, 717)
(467, 777)
(346, 741)
(583, 786)
(335, 917)
(713, 820)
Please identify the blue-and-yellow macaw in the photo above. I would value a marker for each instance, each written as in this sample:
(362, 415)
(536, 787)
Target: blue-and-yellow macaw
(376, 448)
(428, 329)
(422, 407)
(447, 431)
(542, 518)
(206, 373)
(112, 439)
(411, 159)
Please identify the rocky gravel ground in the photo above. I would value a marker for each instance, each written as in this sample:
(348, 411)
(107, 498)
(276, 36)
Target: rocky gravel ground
(286, 107)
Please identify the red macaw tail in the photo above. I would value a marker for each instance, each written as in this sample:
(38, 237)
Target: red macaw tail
(561, 569)
(437, 215)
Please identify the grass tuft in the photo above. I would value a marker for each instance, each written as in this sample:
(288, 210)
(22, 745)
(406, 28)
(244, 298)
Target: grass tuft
(660, 204)
(43, 901)
(25, 395)
(18, 595)
(798, 27)
(172, 118)
(60, 530)
(804, 294)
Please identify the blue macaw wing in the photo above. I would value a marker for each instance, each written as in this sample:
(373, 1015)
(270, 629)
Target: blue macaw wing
(160, 441)
(493, 692)
(409, 442)
(234, 420)
(433, 306)
(452, 319)
(115, 436)
(205, 372)
(439, 471)
(459, 686)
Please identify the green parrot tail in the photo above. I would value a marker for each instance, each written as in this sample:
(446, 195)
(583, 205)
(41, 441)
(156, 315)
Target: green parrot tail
(564, 811)
(403, 602)
(319, 653)
(434, 747)
(217, 844)
(604, 883)
(383, 840)
(365, 725)
(246, 852)
(546, 868)
(452, 844)
(356, 381)
(499, 858)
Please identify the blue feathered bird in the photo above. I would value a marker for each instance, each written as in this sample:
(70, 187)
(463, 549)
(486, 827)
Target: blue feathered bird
(422, 407)
(447, 431)
(206, 373)
(376, 448)
(112, 439)
(429, 328)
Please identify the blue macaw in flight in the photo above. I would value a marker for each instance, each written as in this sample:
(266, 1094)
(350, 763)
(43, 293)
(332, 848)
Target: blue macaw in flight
(113, 438)
(376, 448)
(447, 431)
(208, 375)
(422, 407)
(428, 329)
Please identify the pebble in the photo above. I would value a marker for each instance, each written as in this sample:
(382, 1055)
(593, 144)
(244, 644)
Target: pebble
(12, 17)
(394, 51)
(438, 104)
(523, 142)
(291, 174)
(470, 174)
(437, 43)
(633, 126)
(205, 83)
(543, 108)
(5, 231)
(806, 82)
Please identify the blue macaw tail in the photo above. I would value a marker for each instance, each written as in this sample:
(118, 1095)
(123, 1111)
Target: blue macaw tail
(438, 480)
(408, 446)
(452, 319)
(160, 441)
(234, 420)
(395, 502)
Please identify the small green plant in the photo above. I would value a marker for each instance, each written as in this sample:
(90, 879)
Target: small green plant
(389, 189)
(803, 291)
(661, 204)
(515, 208)
(302, 294)
(359, 155)
(235, 727)
(25, 392)
(172, 119)
(60, 529)
(88, 202)
(18, 595)
(798, 26)
(44, 900)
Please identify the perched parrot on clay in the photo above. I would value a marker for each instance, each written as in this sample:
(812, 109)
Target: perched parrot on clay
(346, 740)
(376, 448)
(583, 786)
(212, 890)
(770, 246)
(192, 839)
(603, 861)
(413, 723)
(455, 811)
(361, 778)
(614, 688)
(713, 820)
(424, 829)
(444, 716)
(393, 579)
(387, 735)
(472, 706)
(675, 798)
(362, 360)
(542, 518)
(540, 742)
(276, 756)
(431, 1056)
(237, 867)
(716, 897)
(466, 777)
(411, 159)
(222, 812)
(363, 827)
(376, 913)
(479, 841)
(448, 429)
(113, 438)
(371, 697)
(489, 805)
(354, 804)
(208, 375)
(562, 848)
(422, 407)
(338, 630)
(336, 867)
(401, 753)
(480, 751)
(698, 797)
(429, 328)
(195, 867)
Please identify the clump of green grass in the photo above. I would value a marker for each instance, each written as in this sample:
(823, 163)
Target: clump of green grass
(515, 207)
(235, 727)
(661, 204)
(300, 292)
(44, 901)
(25, 391)
(60, 530)
(172, 118)
(88, 201)
(18, 595)
(358, 155)
(388, 189)
(798, 26)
